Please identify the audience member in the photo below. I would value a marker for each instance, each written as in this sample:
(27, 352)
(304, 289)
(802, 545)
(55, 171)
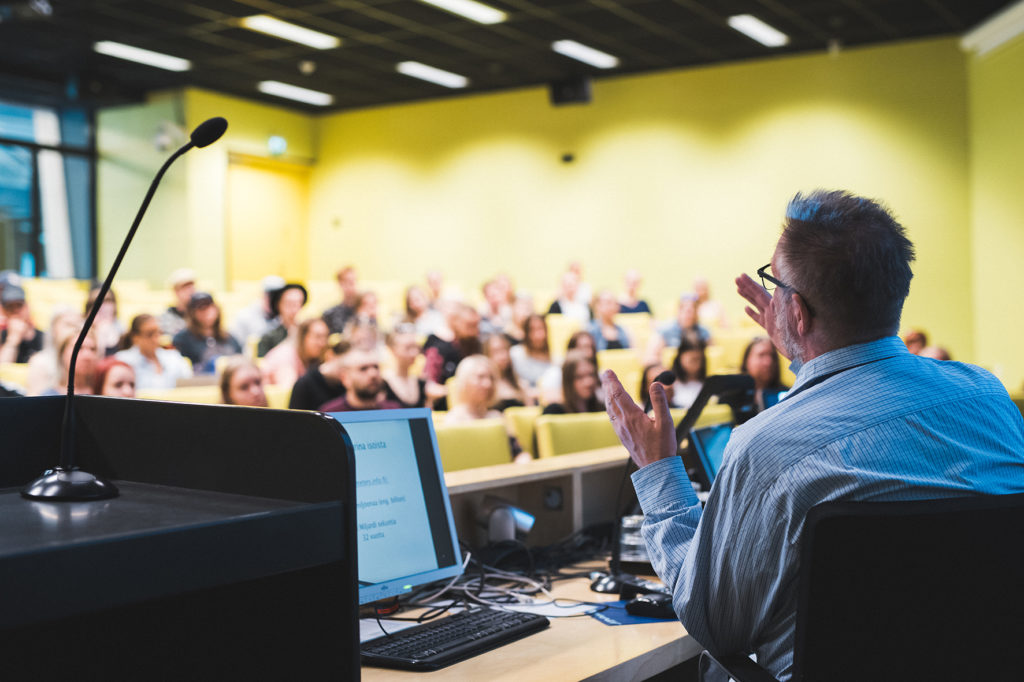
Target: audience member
(935, 353)
(435, 288)
(106, 326)
(691, 369)
(290, 359)
(287, 303)
(258, 318)
(183, 283)
(709, 312)
(20, 339)
(475, 388)
(865, 420)
(550, 384)
(583, 292)
(114, 378)
(685, 324)
(532, 357)
(337, 317)
(43, 367)
(85, 365)
(569, 301)
(322, 383)
(241, 383)
(442, 357)
(630, 302)
(761, 363)
(579, 386)
(419, 313)
(366, 308)
(607, 335)
(400, 385)
(203, 340)
(154, 367)
(915, 341)
(510, 392)
(522, 308)
(496, 311)
(361, 334)
(364, 386)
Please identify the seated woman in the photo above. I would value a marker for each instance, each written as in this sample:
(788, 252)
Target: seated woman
(107, 327)
(532, 357)
(476, 382)
(289, 360)
(114, 378)
(154, 367)
(43, 366)
(418, 312)
(203, 340)
(691, 369)
(400, 385)
(85, 366)
(761, 362)
(607, 335)
(579, 386)
(550, 385)
(241, 383)
(510, 391)
(285, 303)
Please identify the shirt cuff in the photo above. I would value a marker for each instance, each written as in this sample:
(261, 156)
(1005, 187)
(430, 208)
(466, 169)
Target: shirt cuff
(663, 483)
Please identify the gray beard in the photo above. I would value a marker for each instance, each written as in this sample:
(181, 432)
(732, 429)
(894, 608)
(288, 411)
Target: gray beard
(787, 336)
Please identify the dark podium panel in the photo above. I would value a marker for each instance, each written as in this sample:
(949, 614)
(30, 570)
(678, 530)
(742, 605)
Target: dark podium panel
(229, 554)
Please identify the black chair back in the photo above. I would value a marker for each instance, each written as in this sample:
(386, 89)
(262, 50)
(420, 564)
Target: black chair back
(924, 590)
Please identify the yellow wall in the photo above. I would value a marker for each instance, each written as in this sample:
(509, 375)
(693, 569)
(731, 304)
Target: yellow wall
(680, 173)
(997, 202)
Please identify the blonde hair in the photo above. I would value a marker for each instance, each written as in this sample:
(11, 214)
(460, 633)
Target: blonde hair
(468, 366)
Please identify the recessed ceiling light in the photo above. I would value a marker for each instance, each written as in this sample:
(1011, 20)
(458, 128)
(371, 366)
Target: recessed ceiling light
(278, 89)
(264, 23)
(137, 54)
(477, 11)
(752, 27)
(585, 54)
(429, 73)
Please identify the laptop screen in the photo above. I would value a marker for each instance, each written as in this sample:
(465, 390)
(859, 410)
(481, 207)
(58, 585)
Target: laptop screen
(404, 525)
(709, 443)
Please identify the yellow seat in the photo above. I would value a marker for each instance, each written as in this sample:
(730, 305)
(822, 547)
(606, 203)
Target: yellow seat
(626, 364)
(278, 396)
(560, 328)
(14, 373)
(474, 444)
(521, 421)
(638, 328)
(206, 395)
(560, 434)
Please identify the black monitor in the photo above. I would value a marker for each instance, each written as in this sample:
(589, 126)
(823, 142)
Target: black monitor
(405, 529)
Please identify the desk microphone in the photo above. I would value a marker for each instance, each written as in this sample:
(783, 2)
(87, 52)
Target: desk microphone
(66, 482)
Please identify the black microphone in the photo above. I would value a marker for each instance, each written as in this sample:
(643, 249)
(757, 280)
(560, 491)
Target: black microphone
(66, 482)
(666, 378)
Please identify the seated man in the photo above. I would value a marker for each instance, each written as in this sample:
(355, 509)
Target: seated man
(364, 386)
(338, 316)
(183, 283)
(865, 420)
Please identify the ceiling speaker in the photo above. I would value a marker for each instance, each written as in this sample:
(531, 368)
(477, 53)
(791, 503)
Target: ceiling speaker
(575, 90)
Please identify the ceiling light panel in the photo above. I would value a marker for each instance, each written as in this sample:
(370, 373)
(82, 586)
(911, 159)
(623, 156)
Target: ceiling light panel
(476, 11)
(140, 56)
(752, 27)
(433, 75)
(293, 92)
(264, 23)
(585, 54)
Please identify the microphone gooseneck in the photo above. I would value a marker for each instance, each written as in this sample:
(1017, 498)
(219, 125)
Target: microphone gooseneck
(67, 482)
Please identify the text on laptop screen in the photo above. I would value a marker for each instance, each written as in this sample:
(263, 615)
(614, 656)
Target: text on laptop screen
(404, 525)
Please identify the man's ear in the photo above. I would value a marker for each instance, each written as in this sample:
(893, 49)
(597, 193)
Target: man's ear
(801, 314)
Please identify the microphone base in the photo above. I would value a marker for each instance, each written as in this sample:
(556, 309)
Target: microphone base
(69, 485)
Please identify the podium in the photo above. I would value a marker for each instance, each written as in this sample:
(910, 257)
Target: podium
(230, 552)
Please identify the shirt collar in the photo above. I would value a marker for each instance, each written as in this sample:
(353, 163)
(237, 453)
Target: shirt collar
(849, 356)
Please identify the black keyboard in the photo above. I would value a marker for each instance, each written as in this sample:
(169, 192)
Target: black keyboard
(444, 641)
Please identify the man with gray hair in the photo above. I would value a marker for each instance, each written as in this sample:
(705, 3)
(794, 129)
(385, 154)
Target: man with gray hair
(865, 420)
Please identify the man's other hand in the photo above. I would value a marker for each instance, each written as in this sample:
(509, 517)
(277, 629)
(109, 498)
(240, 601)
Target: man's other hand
(647, 439)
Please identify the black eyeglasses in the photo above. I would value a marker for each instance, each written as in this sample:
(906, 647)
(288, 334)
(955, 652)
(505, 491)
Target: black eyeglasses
(770, 283)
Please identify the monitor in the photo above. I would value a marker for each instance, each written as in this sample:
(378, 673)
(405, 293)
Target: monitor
(708, 443)
(404, 526)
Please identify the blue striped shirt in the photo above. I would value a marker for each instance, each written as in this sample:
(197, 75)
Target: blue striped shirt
(865, 422)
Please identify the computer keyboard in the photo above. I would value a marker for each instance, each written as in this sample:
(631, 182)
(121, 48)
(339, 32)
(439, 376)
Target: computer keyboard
(444, 641)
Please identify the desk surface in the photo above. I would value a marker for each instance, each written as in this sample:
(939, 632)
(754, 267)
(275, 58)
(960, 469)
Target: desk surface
(482, 478)
(571, 649)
